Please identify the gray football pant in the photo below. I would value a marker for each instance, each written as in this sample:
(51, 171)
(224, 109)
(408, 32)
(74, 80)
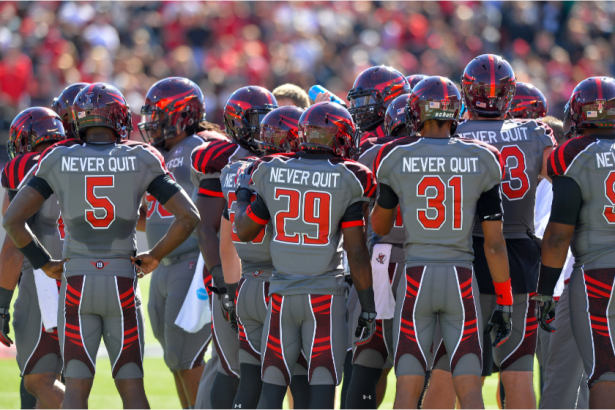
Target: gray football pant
(207, 380)
(564, 377)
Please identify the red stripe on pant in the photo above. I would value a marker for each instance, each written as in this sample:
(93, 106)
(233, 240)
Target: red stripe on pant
(131, 339)
(74, 345)
(470, 342)
(48, 344)
(406, 342)
(244, 343)
(604, 355)
(273, 350)
(322, 352)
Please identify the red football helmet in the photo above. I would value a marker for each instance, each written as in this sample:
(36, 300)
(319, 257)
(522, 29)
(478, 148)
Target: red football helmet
(243, 113)
(415, 79)
(31, 127)
(528, 102)
(102, 105)
(488, 86)
(279, 130)
(171, 106)
(592, 104)
(327, 126)
(63, 104)
(435, 98)
(372, 92)
(395, 117)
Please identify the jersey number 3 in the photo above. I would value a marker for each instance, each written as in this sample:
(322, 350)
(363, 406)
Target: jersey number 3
(517, 173)
(315, 210)
(99, 203)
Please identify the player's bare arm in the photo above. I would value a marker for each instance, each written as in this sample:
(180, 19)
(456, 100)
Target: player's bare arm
(210, 209)
(186, 220)
(10, 257)
(545, 159)
(27, 202)
(231, 264)
(555, 244)
(142, 216)
(382, 219)
(495, 251)
(246, 227)
(358, 257)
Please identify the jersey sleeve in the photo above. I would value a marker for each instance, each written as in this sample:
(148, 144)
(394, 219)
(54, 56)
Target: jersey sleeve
(492, 159)
(207, 162)
(563, 157)
(381, 167)
(364, 186)
(17, 172)
(546, 137)
(49, 157)
(369, 150)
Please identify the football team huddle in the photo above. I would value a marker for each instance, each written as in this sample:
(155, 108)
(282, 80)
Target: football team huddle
(332, 243)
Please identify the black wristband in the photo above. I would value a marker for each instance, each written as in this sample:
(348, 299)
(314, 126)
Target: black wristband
(218, 277)
(231, 288)
(548, 279)
(36, 254)
(366, 299)
(5, 297)
(243, 195)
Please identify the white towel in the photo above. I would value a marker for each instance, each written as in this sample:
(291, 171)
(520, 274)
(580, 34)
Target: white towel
(195, 312)
(48, 296)
(385, 302)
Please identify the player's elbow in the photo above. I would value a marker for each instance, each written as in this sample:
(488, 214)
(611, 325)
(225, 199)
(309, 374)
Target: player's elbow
(245, 231)
(495, 247)
(10, 223)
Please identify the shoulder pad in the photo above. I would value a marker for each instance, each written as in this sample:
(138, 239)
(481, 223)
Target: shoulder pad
(562, 156)
(495, 153)
(361, 173)
(212, 156)
(66, 144)
(285, 156)
(371, 142)
(388, 147)
(15, 170)
(539, 124)
(147, 148)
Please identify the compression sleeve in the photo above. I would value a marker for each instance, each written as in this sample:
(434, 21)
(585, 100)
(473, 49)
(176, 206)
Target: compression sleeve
(41, 186)
(210, 187)
(353, 215)
(12, 194)
(225, 214)
(258, 212)
(163, 188)
(567, 199)
(489, 205)
(387, 198)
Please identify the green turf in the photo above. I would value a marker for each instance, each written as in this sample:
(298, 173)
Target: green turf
(159, 383)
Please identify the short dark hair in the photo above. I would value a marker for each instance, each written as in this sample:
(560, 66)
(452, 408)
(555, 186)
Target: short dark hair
(557, 126)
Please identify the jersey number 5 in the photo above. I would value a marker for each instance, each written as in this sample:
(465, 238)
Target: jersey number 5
(433, 188)
(517, 173)
(315, 210)
(99, 203)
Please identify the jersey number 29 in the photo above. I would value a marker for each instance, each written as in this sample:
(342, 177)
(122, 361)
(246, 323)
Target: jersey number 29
(314, 209)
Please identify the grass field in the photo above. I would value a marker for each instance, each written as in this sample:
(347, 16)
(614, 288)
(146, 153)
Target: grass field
(159, 383)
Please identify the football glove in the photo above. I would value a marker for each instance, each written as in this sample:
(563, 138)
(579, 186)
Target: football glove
(5, 318)
(545, 311)
(366, 327)
(227, 304)
(501, 320)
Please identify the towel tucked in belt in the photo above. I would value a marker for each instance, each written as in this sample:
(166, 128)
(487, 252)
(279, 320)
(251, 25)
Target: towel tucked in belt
(385, 302)
(195, 312)
(48, 297)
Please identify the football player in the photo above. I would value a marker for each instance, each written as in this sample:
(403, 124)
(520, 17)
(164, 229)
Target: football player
(528, 103)
(440, 184)
(63, 104)
(173, 109)
(243, 113)
(582, 215)
(373, 361)
(311, 197)
(488, 87)
(38, 349)
(415, 79)
(99, 182)
(372, 92)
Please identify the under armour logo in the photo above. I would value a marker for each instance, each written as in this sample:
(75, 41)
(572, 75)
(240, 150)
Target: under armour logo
(367, 397)
(89, 95)
(237, 406)
(600, 104)
(445, 104)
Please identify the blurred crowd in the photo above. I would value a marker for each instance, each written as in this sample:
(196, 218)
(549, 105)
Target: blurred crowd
(225, 45)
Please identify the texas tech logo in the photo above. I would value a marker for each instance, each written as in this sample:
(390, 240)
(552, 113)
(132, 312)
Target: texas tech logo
(89, 95)
(99, 264)
(445, 104)
(600, 104)
(381, 258)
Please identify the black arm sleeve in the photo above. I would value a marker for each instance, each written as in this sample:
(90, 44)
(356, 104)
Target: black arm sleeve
(225, 214)
(489, 205)
(163, 188)
(567, 199)
(353, 213)
(259, 208)
(210, 187)
(41, 186)
(387, 198)
(12, 194)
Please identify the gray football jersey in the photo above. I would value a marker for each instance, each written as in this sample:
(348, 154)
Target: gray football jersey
(397, 236)
(159, 219)
(307, 199)
(208, 160)
(591, 163)
(255, 256)
(438, 182)
(46, 224)
(521, 144)
(99, 189)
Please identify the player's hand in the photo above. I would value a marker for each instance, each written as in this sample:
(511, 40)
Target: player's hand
(54, 269)
(545, 311)
(144, 264)
(366, 327)
(501, 320)
(227, 304)
(5, 318)
(243, 177)
(322, 97)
